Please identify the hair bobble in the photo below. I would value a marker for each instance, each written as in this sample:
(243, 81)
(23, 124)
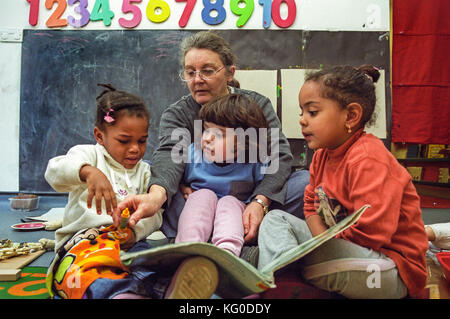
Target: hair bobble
(368, 76)
(108, 118)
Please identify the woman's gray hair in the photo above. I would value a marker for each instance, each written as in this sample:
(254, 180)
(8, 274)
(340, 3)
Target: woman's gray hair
(211, 41)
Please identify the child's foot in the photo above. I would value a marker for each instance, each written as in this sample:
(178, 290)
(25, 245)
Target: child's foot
(439, 235)
(195, 278)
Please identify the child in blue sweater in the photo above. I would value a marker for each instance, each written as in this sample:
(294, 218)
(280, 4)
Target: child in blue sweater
(222, 172)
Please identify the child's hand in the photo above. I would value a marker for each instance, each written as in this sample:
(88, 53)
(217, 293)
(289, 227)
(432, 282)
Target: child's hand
(316, 225)
(186, 191)
(99, 187)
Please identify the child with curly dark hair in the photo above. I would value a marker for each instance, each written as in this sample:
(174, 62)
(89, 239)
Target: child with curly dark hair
(383, 254)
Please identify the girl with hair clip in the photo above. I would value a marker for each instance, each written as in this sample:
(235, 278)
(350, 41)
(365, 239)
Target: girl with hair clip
(221, 174)
(383, 254)
(87, 263)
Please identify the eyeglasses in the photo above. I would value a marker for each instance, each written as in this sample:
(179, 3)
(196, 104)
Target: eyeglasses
(205, 74)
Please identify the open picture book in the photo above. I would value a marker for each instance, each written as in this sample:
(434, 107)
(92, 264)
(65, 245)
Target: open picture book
(237, 278)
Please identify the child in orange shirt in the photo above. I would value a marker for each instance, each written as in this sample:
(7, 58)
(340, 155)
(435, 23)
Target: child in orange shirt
(383, 254)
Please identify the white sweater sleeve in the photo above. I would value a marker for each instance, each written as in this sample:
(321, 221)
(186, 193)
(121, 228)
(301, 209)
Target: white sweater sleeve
(63, 172)
(148, 225)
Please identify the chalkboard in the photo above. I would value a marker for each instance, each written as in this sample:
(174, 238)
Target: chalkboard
(60, 70)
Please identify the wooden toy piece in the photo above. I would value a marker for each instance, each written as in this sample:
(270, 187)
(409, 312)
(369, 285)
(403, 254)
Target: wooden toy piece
(10, 274)
(20, 261)
(125, 216)
(121, 233)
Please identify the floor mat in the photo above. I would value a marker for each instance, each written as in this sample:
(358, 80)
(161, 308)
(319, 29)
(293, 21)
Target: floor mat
(31, 285)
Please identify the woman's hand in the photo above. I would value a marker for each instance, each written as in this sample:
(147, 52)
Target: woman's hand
(141, 206)
(252, 218)
(98, 187)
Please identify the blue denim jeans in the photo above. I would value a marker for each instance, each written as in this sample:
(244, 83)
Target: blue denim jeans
(337, 266)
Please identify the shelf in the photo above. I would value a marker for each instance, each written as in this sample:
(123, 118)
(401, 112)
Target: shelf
(432, 189)
(447, 185)
(429, 160)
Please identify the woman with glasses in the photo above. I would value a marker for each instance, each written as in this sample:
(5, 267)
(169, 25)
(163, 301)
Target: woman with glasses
(208, 65)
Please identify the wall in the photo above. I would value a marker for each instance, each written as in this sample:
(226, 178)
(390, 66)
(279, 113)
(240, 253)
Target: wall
(347, 18)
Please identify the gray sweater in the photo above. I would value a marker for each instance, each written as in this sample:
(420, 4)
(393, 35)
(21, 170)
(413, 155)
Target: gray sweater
(181, 114)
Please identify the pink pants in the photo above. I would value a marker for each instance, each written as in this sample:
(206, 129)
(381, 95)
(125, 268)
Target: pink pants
(204, 214)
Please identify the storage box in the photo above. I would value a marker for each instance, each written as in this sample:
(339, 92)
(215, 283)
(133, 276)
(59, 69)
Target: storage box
(10, 274)
(443, 175)
(413, 151)
(24, 202)
(399, 150)
(434, 149)
(415, 172)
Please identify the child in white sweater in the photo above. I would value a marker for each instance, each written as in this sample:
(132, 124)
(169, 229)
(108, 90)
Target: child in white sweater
(97, 177)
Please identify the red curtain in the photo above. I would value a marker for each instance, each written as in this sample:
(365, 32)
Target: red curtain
(421, 71)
